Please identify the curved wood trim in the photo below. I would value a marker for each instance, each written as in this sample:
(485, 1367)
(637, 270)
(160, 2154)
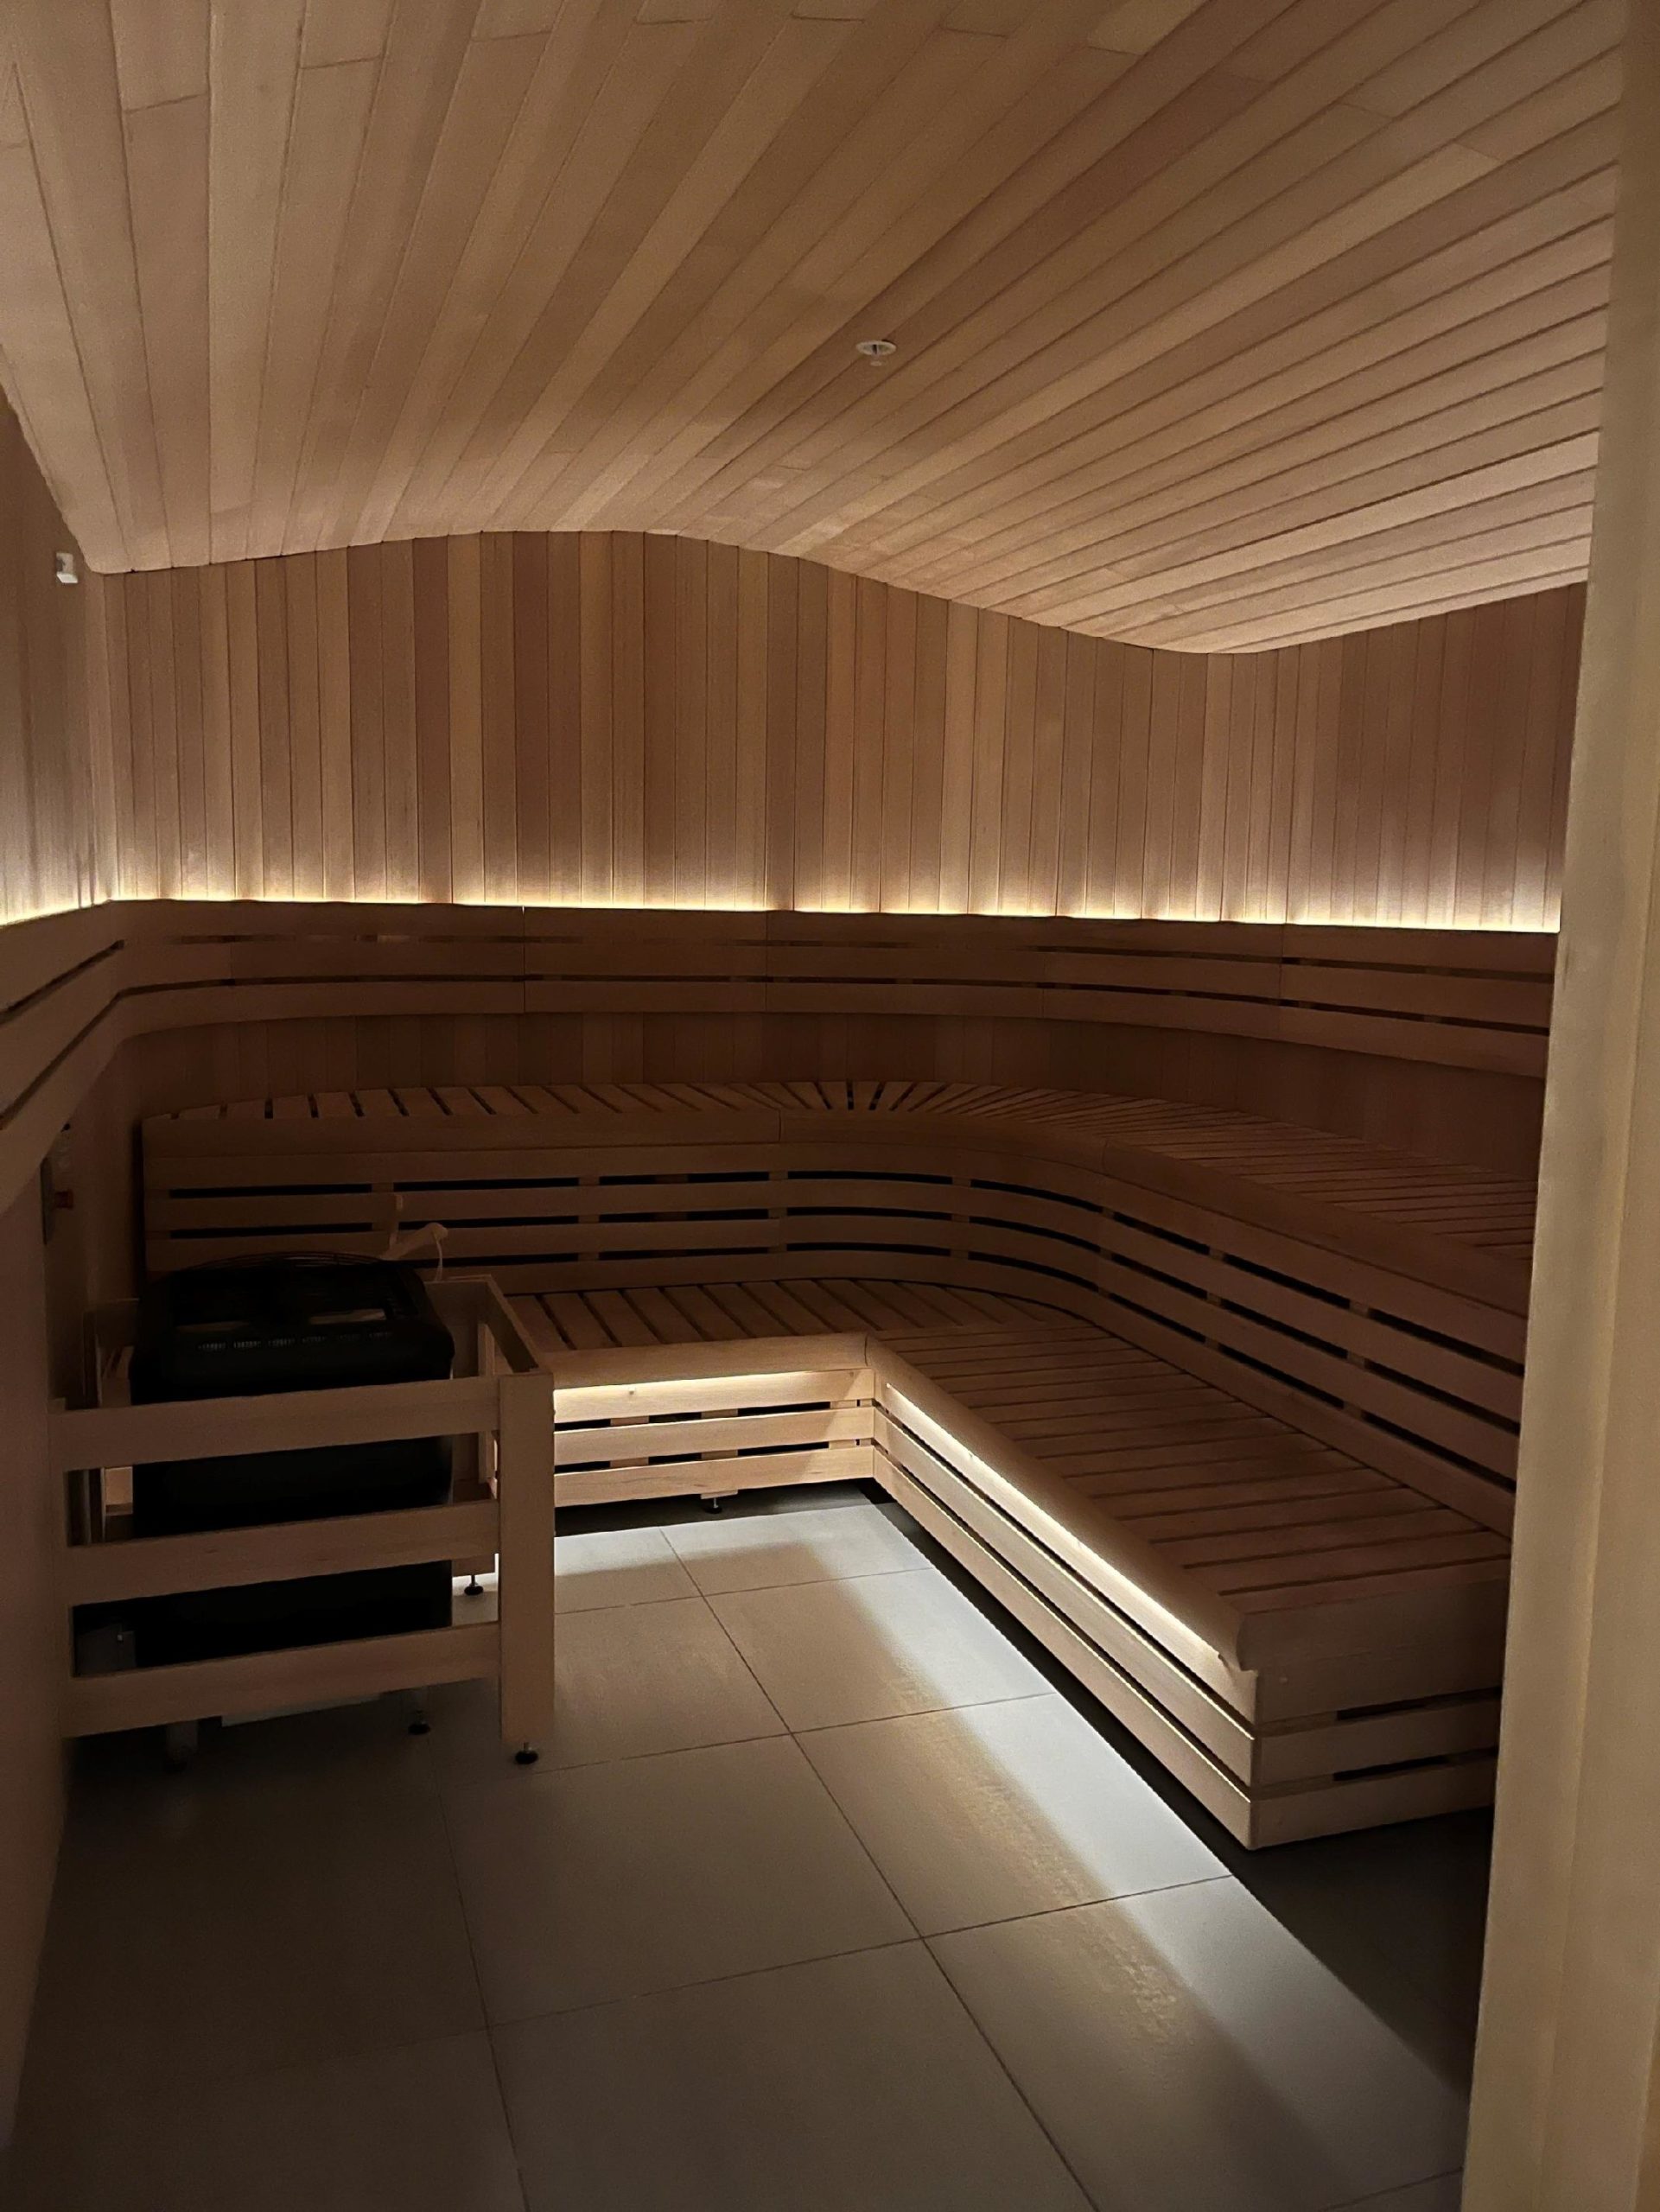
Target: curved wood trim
(74, 986)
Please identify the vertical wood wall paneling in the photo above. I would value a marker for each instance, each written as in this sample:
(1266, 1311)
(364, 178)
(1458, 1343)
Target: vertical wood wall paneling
(62, 723)
(334, 724)
(532, 735)
(615, 719)
(397, 721)
(302, 684)
(464, 717)
(63, 770)
(784, 697)
(628, 721)
(270, 676)
(497, 693)
(1104, 828)
(367, 743)
(595, 875)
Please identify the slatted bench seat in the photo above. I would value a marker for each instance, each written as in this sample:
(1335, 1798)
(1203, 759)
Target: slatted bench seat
(1375, 1301)
(1468, 1205)
(1313, 1345)
(1306, 1642)
(729, 1313)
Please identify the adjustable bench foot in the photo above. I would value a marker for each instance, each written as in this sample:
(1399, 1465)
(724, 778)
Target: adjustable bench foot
(474, 1588)
(711, 1504)
(526, 1755)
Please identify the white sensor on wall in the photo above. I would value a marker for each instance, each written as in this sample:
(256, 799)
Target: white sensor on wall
(65, 567)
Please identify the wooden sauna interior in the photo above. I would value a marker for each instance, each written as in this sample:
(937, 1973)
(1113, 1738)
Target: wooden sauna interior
(1036, 858)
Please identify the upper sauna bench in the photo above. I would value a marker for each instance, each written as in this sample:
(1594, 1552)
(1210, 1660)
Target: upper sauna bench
(1373, 1299)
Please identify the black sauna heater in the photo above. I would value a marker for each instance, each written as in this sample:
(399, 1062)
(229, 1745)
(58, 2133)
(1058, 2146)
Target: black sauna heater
(249, 1329)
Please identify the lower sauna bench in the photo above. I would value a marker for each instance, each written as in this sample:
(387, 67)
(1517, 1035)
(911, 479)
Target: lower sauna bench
(1308, 1643)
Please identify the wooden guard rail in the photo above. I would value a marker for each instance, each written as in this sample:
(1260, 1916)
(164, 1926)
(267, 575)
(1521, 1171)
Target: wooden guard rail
(73, 986)
(505, 1404)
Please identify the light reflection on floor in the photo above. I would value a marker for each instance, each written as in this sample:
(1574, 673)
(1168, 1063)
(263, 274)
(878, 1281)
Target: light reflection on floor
(831, 1895)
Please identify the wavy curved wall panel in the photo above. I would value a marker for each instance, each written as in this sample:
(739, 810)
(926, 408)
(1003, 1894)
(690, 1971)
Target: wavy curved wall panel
(605, 718)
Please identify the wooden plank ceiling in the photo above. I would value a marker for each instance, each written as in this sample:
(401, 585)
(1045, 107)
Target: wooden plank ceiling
(1217, 325)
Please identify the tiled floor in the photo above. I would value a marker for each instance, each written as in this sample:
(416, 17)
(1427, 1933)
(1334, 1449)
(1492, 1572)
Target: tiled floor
(828, 1897)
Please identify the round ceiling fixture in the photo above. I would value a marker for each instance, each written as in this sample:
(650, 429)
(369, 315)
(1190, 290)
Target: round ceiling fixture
(876, 349)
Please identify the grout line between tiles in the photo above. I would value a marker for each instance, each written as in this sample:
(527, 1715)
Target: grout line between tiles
(1385, 2198)
(778, 1735)
(864, 1848)
(583, 1766)
(811, 1581)
(890, 1719)
(740, 1589)
(628, 1604)
(743, 1589)
(917, 1712)
(702, 1981)
(870, 1574)
(1078, 1904)
(742, 1660)
(484, 2008)
(1003, 2068)
(549, 1770)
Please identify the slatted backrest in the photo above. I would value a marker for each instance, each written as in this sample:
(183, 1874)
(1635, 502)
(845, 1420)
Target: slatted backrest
(74, 986)
(1312, 1290)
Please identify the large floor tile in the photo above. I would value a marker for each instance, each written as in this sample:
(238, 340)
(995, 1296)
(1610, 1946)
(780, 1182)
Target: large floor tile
(828, 1653)
(290, 1897)
(1185, 2051)
(637, 1678)
(630, 1680)
(990, 1811)
(616, 1567)
(757, 1551)
(1398, 1914)
(851, 2085)
(416, 2129)
(613, 1881)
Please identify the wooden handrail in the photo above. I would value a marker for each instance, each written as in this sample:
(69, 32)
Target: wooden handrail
(515, 1408)
(120, 1436)
(217, 1559)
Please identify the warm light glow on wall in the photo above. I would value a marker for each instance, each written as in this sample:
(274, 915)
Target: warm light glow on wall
(810, 747)
(221, 896)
